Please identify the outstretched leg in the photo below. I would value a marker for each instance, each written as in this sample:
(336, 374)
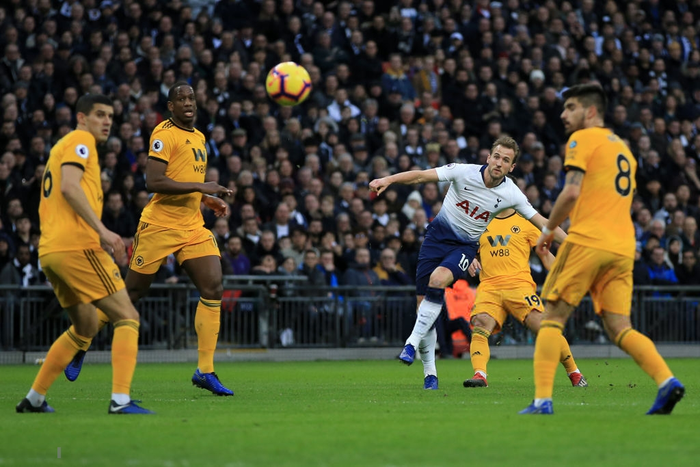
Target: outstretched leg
(533, 321)
(644, 353)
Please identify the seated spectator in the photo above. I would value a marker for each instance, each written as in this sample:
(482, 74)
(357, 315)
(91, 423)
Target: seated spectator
(233, 259)
(360, 273)
(660, 272)
(640, 273)
(282, 224)
(298, 246)
(691, 235)
(118, 219)
(394, 79)
(688, 272)
(388, 272)
(21, 271)
(310, 269)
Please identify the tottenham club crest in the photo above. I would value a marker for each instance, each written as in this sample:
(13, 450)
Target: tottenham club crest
(157, 145)
(82, 151)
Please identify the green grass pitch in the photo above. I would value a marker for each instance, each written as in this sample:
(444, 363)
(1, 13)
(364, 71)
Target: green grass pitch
(354, 413)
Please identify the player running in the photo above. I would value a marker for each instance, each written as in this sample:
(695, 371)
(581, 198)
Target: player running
(172, 223)
(598, 255)
(476, 194)
(507, 288)
(71, 252)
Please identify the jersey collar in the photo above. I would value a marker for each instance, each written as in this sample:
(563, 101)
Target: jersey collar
(182, 128)
(482, 170)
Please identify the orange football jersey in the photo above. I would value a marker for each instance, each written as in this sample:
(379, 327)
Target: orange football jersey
(504, 251)
(601, 217)
(62, 229)
(184, 152)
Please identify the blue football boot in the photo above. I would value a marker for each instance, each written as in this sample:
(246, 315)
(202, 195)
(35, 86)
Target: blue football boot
(128, 409)
(210, 382)
(408, 354)
(26, 407)
(72, 371)
(431, 382)
(667, 397)
(544, 409)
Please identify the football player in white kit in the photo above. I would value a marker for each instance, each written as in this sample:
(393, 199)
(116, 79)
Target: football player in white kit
(476, 194)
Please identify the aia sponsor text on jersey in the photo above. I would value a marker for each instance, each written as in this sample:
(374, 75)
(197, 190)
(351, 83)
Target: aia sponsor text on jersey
(474, 211)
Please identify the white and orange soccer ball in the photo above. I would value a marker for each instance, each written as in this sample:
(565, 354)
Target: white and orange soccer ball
(288, 84)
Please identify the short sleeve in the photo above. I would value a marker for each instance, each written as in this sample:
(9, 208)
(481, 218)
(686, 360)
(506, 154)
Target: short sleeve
(162, 145)
(533, 234)
(522, 205)
(578, 150)
(78, 152)
(452, 172)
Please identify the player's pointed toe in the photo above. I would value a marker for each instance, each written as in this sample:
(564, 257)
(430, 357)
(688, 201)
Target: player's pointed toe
(26, 407)
(667, 398)
(72, 371)
(408, 354)
(545, 408)
(431, 382)
(210, 382)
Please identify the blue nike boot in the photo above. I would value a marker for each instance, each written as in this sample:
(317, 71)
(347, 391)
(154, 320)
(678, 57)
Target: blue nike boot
(210, 382)
(668, 396)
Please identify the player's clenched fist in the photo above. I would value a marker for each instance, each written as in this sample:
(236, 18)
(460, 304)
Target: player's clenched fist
(218, 205)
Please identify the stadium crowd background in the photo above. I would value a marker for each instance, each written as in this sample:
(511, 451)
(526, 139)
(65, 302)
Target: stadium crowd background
(397, 85)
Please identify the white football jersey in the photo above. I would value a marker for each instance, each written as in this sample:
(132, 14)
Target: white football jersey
(469, 205)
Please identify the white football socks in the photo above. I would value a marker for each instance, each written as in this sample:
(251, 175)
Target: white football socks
(121, 399)
(427, 353)
(35, 398)
(427, 314)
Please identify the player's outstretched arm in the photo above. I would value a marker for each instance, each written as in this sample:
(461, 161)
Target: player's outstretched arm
(75, 196)
(539, 221)
(158, 182)
(411, 177)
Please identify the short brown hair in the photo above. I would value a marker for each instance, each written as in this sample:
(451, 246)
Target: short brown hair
(589, 94)
(507, 142)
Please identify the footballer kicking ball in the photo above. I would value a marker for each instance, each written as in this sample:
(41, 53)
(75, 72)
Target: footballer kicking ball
(288, 84)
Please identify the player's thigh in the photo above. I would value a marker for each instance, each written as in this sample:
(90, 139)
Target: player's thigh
(489, 304)
(137, 284)
(82, 276)
(612, 288)
(453, 257)
(520, 302)
(152, 244)
(201, 259)
(572, 274)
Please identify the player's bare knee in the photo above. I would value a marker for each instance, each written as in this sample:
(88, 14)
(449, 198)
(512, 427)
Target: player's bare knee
(533, 321)
(87, 328)
(484, 321)
(213, 292)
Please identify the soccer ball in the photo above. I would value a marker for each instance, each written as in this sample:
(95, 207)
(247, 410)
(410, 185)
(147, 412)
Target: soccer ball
(288, 84)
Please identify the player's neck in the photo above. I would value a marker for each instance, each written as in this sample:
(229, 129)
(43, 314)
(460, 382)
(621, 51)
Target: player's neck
(593, 123)
(489, 181)
(84, 128)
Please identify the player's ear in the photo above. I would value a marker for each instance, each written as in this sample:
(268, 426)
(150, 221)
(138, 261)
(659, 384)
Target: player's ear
(512, 167)
(170, 106)
(80, 117)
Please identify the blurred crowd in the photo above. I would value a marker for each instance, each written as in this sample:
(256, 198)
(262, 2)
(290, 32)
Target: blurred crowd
(397, 85)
